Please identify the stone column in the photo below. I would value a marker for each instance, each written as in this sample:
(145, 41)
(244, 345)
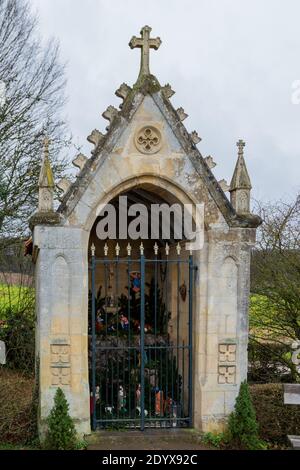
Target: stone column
(62, 321)
(223, 324)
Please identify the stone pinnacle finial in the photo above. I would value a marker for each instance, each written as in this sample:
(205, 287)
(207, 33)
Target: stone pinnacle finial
(240, 186)
(240, 179)
(46, 176)
(46, 182)
(145, 43)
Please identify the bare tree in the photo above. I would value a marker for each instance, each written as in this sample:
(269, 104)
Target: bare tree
(276, 279)
(34, 95)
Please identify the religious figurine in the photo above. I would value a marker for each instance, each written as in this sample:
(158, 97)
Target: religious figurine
(139, 411)
(159, 402)
(138, 396)
(99, 322)
(135, 277)
(124, 322)
(121, 398)
(136, 326)
(171, 410)
(109, 409)
(174, 414)
(111, 328)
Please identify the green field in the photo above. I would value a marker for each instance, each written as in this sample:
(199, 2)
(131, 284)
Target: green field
(14, 298)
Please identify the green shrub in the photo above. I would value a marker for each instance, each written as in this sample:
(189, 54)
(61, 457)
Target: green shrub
(267, 362)
(242, 425)
(215, 440)
(61, 434)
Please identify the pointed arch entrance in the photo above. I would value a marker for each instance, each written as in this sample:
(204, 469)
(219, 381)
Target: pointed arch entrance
(141, 321)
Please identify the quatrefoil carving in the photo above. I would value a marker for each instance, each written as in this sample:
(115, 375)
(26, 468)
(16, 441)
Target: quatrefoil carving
(148, 140)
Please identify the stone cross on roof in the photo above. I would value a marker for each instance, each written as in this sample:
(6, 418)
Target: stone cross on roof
(145, 43)
(241, 144)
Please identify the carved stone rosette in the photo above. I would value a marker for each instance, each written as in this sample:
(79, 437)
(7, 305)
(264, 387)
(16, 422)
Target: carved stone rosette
(148, 140)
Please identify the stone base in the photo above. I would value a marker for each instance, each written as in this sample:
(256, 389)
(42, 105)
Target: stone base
(214, 424)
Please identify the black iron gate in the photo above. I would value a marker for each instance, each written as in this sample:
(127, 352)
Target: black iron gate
(140, 317)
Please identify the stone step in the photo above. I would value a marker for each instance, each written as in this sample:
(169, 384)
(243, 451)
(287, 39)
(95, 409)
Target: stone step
(184, 434)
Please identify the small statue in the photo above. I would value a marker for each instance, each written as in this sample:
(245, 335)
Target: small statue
(135, 281)
(139, 411)
(124, 322)
(97, 394)
(99, 322)
(121, 398)
(159, 402)
(111, 328)
(171, 410)
(136, 326)
(138, 396)
(174, 414)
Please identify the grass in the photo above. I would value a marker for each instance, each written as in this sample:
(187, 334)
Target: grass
(5, 446)
(13, 297)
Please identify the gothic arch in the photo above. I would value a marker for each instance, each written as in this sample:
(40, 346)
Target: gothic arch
(172, 192)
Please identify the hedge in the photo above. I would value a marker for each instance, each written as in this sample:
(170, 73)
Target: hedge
(275, 419)
(16, 401)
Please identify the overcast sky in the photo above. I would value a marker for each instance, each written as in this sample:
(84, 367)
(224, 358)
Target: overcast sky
(232, 64)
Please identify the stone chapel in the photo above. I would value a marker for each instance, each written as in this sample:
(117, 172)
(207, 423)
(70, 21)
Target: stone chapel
(142, 333)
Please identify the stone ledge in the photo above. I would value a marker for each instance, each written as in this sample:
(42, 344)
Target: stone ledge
(44, 218)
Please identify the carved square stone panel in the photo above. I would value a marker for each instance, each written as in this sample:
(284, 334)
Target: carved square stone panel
(60, 376)
(227, 352)
(60, 353)
(227, 374)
